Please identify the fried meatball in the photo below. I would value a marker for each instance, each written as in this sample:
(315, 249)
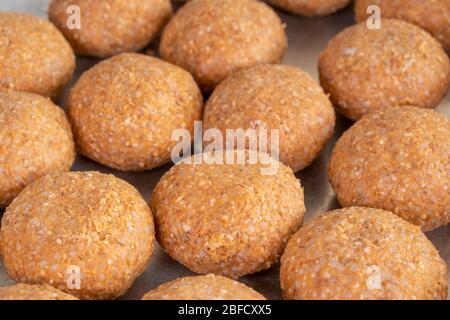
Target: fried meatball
(365, 70)
(33, 292)
(227, 219)
(124, 111)
(85, 233)
(34, 56)
(110, 27)
(398, 160)
(361, 254)
(35, 140)
(431, 15)
(276, 97)
(311, 8)
(213, 38)
(209, 287)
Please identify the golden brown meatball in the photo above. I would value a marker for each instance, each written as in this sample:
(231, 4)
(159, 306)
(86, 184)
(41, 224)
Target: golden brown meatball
(275, 97)
(361, 254)
(228, 219)
(110, 27)
(213, 38)
(34, 56)
(431, 15)
(124, 111)
(365, 70)
(311, 7)
(209, 287)
(36, 140)
(33, 292)
(84, 233)
(398, 160)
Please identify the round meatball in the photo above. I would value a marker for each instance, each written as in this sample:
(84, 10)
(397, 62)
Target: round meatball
(431, 15)
(125, 109)
(228, 219)
(398, 160)
(361, 254)
(34, 56)
(84, 233)
(209, 287)
(213, 38)
(268, 97)
(311, 8)
(35, 140)
(109, 27)
(33, 292)
(365, 70)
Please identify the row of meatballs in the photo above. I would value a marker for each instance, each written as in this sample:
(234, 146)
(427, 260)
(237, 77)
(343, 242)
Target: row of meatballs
(226, 219)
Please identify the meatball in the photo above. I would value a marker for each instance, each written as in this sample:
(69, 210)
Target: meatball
(365, 70)
(360, 254)
(34, 56)
(85, 233)
(398, 160)
(213, 38)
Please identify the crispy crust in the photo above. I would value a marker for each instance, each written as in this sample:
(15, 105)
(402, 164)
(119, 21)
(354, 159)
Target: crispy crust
(33, 292)
(209, 287)
(227, 219)
(95, 222)
(36, 140)
(398, 160)
(431, 15)
(213, 38)
(256, 98)
(34, 56)
(124, 111)
(111, 27)
(359, 254)
(311, 8)
(365, 70)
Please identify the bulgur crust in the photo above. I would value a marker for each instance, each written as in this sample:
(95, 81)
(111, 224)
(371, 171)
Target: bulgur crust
(365, 70)
(110, 27)
(226, 219)
(213, 38)
(34, 56)
(398, 160)
(311, 8)
(359, 254)
(124, 111)
(275, 97)
(35, 140)
(95, 222)
(208, 287)
(431, 15)
(33, 292)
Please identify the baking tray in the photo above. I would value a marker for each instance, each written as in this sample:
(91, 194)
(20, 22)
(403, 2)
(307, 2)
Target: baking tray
(307, 36)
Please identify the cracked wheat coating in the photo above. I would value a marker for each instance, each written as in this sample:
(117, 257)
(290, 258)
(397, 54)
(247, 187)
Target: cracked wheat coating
(91, 221)
(110, 27)
(213, 38)
(398, 160)
(34, 56)
(359, 254)
(228, 219)
(365, 70)
(311, 8)
(33, 292)
(209, 287)
(431, 15)
(35, 140)
(275, 97)
(124, 111)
